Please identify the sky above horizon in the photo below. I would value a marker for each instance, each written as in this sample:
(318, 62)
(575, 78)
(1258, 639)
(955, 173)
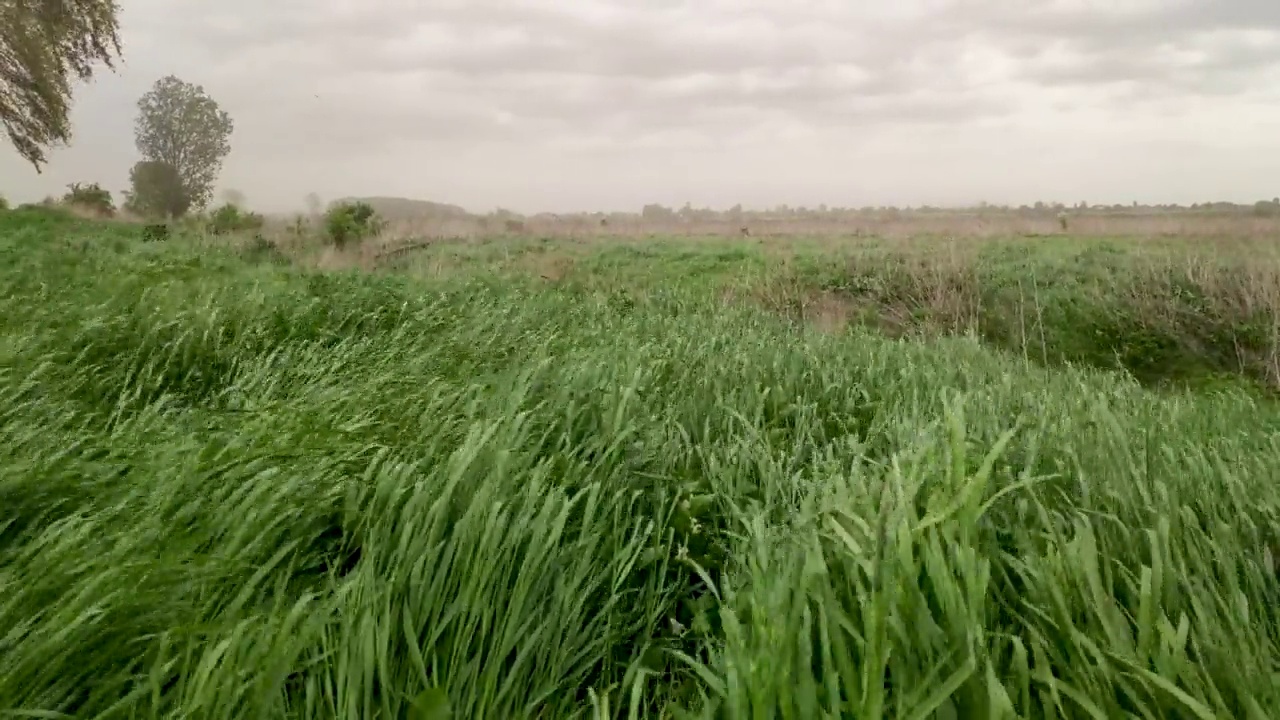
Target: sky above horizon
(562, 105)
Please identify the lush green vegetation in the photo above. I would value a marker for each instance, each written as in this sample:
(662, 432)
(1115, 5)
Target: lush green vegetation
(240, 489)
(1171, 313)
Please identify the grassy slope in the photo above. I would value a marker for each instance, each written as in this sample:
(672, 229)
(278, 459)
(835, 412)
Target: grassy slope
(244, 491)
(1170, 312)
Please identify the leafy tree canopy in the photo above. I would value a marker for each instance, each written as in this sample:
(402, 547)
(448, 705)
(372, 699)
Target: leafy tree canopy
(44, 44)
(180, 126)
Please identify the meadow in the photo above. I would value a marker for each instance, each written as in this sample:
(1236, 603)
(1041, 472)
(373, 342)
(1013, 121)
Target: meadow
(637, 477)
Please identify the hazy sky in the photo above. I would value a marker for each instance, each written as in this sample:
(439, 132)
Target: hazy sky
(609, 104)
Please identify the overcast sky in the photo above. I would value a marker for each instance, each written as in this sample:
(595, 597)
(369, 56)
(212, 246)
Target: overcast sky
(609, 104)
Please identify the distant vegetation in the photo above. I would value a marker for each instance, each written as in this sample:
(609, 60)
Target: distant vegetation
(92, 198)
(1209, 219)
(230, 218)
(348, 222)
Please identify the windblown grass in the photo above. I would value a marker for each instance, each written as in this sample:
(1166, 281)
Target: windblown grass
(237, 491)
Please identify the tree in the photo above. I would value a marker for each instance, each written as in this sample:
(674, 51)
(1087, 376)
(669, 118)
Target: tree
(348, 223)
(315, 206)
(43, 43)
(156, 190)
(654, 211)
(179, 125)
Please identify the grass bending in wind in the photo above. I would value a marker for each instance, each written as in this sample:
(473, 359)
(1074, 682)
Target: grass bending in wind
(234, 491)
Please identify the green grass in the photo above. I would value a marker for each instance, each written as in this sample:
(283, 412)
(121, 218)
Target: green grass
(237, 490)
(1172, 314)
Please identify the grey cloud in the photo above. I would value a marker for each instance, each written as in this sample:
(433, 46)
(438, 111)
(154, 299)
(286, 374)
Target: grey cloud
(488, 38)
(1135, 20)
(482, 42)
(353, 79)
(567, 68)
(1122, 64)
(1166, 47)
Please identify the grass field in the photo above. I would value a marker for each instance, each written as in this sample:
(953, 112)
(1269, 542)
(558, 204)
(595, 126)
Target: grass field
(686, 479)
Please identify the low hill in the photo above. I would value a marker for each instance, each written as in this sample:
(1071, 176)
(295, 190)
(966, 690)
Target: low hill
(393, 208)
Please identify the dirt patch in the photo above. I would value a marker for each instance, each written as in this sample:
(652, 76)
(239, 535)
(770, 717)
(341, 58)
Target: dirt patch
(824, 310)
(830, 313)
(362, 257)
(553, 267)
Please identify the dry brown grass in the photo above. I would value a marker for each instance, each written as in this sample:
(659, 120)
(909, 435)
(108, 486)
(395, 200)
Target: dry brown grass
(889, 224)
(1161, 310)
(554, 267)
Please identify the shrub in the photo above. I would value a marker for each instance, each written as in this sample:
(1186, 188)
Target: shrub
(349, 223)
(4, 203)
(155, 232)
(91, 197)
(156, 191)
(229, 218)
(262, 250)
